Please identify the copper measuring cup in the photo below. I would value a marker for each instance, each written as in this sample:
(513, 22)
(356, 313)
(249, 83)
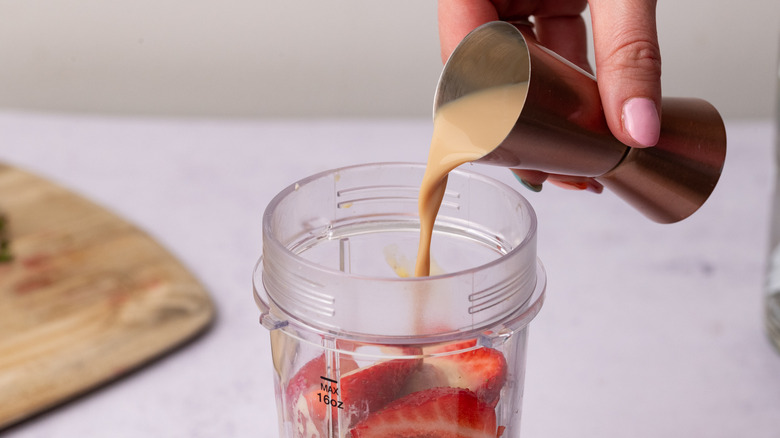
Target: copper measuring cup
(561, 128)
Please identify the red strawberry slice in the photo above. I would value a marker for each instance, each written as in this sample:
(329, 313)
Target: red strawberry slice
(369, 389)
(304, 401)
(358, 392)
(452, 346)
(432, 413)
(482, 370)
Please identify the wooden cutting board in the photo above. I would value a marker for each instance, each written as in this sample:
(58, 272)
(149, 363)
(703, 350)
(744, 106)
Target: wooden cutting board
(86, 298)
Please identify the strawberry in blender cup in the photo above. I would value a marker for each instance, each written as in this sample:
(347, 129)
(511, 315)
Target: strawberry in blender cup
(303, 401)
(432, 413)
(482, 370)
(453, 393)
(358, 392)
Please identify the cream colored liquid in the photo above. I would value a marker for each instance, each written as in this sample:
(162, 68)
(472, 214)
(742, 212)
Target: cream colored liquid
(464, 130)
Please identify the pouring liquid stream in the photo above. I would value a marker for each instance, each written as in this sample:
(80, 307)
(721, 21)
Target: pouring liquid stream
(464, 130)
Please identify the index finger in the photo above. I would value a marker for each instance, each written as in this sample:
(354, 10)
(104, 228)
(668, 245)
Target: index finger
(459, 17)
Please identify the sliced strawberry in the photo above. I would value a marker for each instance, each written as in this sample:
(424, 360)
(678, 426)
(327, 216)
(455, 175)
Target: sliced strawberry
(452, 346)
(482, 370)
(304, 395)
(311, 374)
(358, 392)
(369, 389)
(432, 413)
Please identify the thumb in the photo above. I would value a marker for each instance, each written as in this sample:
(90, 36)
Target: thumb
(628, 67)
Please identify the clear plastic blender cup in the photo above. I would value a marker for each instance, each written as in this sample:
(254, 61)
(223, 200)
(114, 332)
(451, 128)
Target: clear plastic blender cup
(359, 348)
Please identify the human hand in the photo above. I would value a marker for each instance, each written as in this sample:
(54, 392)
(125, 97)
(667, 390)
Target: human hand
(627, 58)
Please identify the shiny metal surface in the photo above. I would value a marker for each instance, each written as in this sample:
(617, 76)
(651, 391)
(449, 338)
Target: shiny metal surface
(562, 130)
(670, 181)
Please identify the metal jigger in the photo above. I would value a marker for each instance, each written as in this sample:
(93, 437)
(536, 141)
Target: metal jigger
(561, 128)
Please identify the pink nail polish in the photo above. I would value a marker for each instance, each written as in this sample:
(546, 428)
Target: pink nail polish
(640, 120)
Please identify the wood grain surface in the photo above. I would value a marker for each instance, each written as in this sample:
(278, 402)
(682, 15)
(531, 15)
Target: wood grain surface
(86, 298)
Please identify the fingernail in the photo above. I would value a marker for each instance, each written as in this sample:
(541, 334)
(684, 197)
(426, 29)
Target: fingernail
(640, 120)
(532, 187)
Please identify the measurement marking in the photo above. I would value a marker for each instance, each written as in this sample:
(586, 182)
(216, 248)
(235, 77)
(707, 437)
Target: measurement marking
(329, 380)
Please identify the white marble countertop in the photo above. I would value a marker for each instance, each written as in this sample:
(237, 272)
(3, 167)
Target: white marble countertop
(648, 330)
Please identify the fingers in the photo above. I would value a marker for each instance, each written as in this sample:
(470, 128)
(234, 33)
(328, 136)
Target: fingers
(567, 183)
(628, 66)
(533, 180)
(560, 27)
(459, 17)
(558, 23)
(566, 36)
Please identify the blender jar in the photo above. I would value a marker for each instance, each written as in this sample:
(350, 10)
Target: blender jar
(360, 348)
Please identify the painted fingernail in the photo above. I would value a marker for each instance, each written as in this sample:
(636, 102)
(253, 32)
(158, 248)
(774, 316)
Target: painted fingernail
(532, 187)
(640, 120)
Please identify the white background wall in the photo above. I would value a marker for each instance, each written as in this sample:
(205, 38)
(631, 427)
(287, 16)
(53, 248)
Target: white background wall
(322, 58)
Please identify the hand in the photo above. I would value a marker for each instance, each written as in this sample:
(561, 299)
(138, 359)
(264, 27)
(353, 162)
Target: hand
(627, 56)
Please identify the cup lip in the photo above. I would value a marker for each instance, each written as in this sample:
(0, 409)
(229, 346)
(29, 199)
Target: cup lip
(455, 60)
(274, 317)
(279, 246)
